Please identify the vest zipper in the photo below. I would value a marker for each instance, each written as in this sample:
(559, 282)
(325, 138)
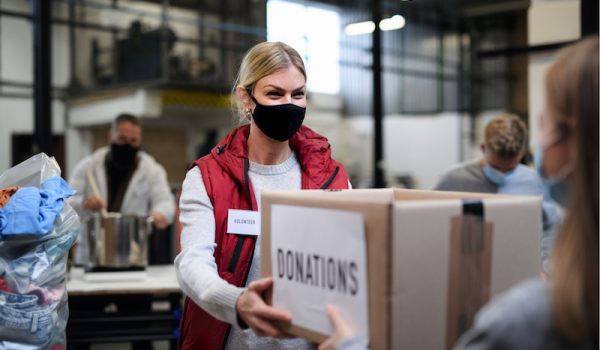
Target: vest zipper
(241, 239)
(337, 168)
(238, 247)
(247, 181)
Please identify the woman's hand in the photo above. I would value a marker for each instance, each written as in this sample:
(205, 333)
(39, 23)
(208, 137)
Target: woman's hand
(253, 310)
(342, 330)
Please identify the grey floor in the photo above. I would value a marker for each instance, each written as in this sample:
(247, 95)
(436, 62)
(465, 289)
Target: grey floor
(158, 345)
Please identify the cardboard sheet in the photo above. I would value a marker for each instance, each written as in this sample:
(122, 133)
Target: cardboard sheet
(320, 274)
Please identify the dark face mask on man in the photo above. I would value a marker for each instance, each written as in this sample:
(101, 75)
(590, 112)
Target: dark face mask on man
(123, 155)
(279, 122)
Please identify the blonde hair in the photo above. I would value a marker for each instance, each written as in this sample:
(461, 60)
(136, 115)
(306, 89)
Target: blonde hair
(506, 136)
(263, 59)
(572, 100)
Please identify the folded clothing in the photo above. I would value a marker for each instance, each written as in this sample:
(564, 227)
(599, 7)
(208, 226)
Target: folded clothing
(47, 296)
(41, 266)
(23, 320)
(33, 211)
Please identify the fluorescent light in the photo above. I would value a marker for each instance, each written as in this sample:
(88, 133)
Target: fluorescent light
(396, 22)
(360, 28)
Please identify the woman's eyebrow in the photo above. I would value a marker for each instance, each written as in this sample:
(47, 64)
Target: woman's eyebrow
(300, 88)
(281, 89)
(275, 87)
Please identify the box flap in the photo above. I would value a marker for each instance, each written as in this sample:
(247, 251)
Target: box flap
(401, 194)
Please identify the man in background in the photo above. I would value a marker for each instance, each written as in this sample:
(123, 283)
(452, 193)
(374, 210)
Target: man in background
(499, 171)
(130, 181)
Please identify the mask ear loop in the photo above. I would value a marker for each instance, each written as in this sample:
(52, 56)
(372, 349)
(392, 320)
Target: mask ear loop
(248, 111)
(252, 97)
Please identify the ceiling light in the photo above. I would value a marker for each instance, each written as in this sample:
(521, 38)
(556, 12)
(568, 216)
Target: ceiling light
(360, 28)
(396, 22)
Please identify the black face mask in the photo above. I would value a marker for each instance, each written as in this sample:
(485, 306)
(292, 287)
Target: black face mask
(123, 156)
(279, 122)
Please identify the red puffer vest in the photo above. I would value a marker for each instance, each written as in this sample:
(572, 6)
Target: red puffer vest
(225, 175)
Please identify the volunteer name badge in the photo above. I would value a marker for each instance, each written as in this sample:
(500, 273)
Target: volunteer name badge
(243, 222)
(319, 257)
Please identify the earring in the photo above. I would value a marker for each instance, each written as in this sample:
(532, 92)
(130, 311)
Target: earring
(247, 112)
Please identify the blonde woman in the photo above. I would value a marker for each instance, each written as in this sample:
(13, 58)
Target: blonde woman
(219, 271)
(562, 313)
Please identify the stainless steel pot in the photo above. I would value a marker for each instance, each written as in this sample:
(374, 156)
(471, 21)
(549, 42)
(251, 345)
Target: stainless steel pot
(118, 240)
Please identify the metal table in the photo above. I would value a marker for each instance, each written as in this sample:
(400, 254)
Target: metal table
(121, 311)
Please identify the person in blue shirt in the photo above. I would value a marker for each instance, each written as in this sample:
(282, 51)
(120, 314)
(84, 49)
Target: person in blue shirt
(499, 171)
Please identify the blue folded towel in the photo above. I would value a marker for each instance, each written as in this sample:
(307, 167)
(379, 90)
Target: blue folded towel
(33, 211)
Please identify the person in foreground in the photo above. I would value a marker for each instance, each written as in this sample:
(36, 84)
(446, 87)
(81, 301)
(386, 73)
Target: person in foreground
(499, 171)
(218, 271)
(562, 313)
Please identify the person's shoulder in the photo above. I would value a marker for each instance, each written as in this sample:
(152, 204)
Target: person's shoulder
(520, 318)
(148, 161)
(458, 172)
(460, 168)
(524, 303)
(522, 315)
(100, 152)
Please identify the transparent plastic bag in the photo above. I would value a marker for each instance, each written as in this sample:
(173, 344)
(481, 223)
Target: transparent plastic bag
(33, 296)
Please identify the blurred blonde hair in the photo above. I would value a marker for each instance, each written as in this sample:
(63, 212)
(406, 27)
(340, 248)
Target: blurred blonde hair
(572, 100)
(263, 59)
(506, 136)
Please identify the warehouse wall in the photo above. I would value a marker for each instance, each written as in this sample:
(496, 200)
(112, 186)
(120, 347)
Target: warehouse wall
(549, 21)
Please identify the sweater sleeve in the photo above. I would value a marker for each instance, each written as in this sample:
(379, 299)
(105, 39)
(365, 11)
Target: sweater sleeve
(352, 343)
(78, 181)
(161, 199)
(195, 265)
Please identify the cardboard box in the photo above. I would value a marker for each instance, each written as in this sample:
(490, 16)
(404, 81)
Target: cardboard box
(434, 258)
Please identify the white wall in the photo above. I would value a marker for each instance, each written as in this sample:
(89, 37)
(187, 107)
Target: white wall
(419, 146)
(548, 21)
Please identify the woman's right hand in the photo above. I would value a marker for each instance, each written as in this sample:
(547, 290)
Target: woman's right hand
(253, 310)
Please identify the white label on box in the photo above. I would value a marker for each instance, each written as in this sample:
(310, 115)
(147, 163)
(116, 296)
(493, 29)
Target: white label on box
(319, 257)
(243, 222)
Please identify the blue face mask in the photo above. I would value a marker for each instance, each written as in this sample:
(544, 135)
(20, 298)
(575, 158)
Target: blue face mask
(557, 186)
(496, 176)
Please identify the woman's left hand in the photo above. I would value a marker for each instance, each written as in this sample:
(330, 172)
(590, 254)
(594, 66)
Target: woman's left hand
(342, 329)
